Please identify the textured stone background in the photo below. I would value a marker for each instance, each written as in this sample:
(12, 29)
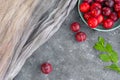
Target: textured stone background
(71, 60)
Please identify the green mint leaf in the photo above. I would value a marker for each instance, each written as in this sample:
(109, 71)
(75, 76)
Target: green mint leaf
(114, 56)
(104, 57)
(109, 56)
(101, 40)
(108, 47)
(99, 47)
(114, 67)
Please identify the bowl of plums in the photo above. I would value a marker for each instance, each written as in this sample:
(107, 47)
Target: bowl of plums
(100, 15)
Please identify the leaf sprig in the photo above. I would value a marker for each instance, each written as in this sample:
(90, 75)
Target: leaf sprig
(108, 54)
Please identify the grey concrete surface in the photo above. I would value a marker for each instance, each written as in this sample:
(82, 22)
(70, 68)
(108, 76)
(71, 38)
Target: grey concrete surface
(71, 60)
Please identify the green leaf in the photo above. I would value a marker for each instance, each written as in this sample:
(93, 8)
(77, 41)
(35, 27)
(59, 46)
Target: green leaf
(104, 57)
(101, 40)
(114, 56)
(114, 67)
(108, 47)
(110, 56)
(99, 47)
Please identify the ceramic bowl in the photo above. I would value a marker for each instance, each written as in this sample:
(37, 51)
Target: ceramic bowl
(99, 28)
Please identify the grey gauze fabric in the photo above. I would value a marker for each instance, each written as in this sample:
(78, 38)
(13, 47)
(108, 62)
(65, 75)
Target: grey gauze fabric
(71, 60)
(46, 20)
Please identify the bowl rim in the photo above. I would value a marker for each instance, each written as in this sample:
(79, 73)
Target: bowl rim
(80, 14)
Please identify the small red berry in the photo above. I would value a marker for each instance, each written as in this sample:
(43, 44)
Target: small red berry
(46, 68)
(109, 3)
(84, 7)
(80, 36)
(119, 14)
(87, 15)
(100, 18)
(95, 12)
(117, 7)
(88, 1)
(92, 22)
(106, 11)
(117, 1)
(75, 27)
(113, 16)
(100, 1)
(108, 23)
(95, 5)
